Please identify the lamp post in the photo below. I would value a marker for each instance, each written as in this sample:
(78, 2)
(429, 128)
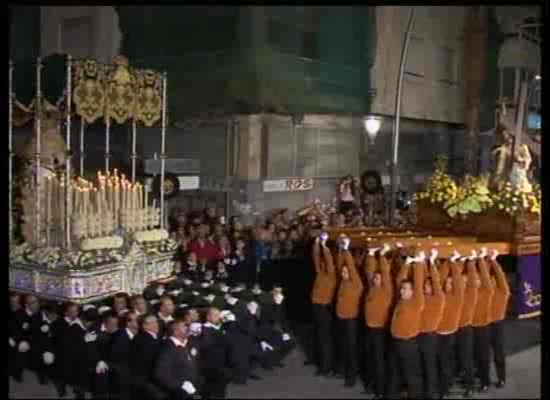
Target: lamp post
(395, 133)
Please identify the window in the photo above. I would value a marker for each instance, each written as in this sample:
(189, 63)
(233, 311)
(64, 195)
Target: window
(311, 152)
(445, 65)
(76, 37)
(415, 57)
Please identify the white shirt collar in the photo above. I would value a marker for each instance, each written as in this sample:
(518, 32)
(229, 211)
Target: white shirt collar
(211, 325)
(154, 335)
(79, 323)
(45, 319)
(129, 333)
(176, 341)
(166, 319)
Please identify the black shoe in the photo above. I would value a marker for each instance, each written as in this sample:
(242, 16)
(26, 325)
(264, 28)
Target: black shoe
(307, 362)
(255, 377)
(468, 393)
(61, 391)
(336, 375)
(500, 384)
(484, 389)
(18, 378)
(42, 381)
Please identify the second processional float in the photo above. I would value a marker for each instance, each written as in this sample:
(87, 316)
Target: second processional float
(85, 239)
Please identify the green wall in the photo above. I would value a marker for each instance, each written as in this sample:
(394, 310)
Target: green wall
(238, 60)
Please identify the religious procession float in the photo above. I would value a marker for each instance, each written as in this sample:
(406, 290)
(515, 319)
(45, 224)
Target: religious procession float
(86, 239)
(499, 212)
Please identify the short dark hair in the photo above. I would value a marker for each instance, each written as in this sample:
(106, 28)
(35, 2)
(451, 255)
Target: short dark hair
(406, 281)
(143, 318)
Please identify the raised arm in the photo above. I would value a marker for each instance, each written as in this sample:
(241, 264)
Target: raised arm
(317, 255)
(418, 281)
(484, 275)
(500, 277)
(352, 268)
(403, 273)
(329, 262)
(371, 264)
(436, 281)
(385, 273)
(458, 282)
(444, 271)
(471, 273)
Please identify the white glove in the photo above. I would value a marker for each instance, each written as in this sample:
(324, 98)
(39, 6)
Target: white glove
(234, 261)
(175, 292)
(345, 243)
(494, 255)
(473, 256)
(48, 358)
(286, 337)
(456, 255)
(195, 328)
(189, 388)
(266, 346)
(278, 298)
(399, 245)
(252, 307)
(231, 300)
(227, 261)
(410, 260)
(433, 256)
(160, 291)
(26, 326)
(90, 337)
(230, 317)
(385, 249)
(483, 252)
(45, 328)
(195, 293)
(11, 342)
(23, 347)
(421, 257)
(187, 282)
(373, 251)
(224, 289)
(205, 285)
(101, 367)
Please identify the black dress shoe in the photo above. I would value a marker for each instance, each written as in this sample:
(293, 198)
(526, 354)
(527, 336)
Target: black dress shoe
(307, 362)
(468, 393)
(484, 389)
(255, 377)
(500, 384)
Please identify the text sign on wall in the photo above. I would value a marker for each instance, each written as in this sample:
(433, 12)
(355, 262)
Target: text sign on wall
(288, 185)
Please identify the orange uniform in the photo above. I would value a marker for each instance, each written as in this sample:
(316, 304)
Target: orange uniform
(501, 293)
(454, 300)
(349, 291)
(484, 306)
(435, 303)
(470, 295)
(324, 286)
(379, 299)
(407, 315)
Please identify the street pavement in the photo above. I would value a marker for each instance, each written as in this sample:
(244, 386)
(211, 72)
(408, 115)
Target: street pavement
(296, 381)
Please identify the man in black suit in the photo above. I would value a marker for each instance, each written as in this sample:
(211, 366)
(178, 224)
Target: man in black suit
(43, 350)
(165, 315)
(62, 342)
(14, 327)
(80, 333)
(215, 356)
(119, 355)
(95, 354)
(29, 315)
(144, 350)
(177, 369)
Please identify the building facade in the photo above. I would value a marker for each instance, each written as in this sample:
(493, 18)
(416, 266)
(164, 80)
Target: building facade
(281, 92)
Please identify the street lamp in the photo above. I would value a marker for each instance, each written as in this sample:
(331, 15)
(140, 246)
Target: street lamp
(395, 133)
(372, 126)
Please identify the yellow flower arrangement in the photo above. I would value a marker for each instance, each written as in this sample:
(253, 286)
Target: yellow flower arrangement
(513, 200)
(441, 186)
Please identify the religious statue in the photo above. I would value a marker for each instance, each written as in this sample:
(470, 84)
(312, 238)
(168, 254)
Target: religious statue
(520, 169)
(347, 191)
